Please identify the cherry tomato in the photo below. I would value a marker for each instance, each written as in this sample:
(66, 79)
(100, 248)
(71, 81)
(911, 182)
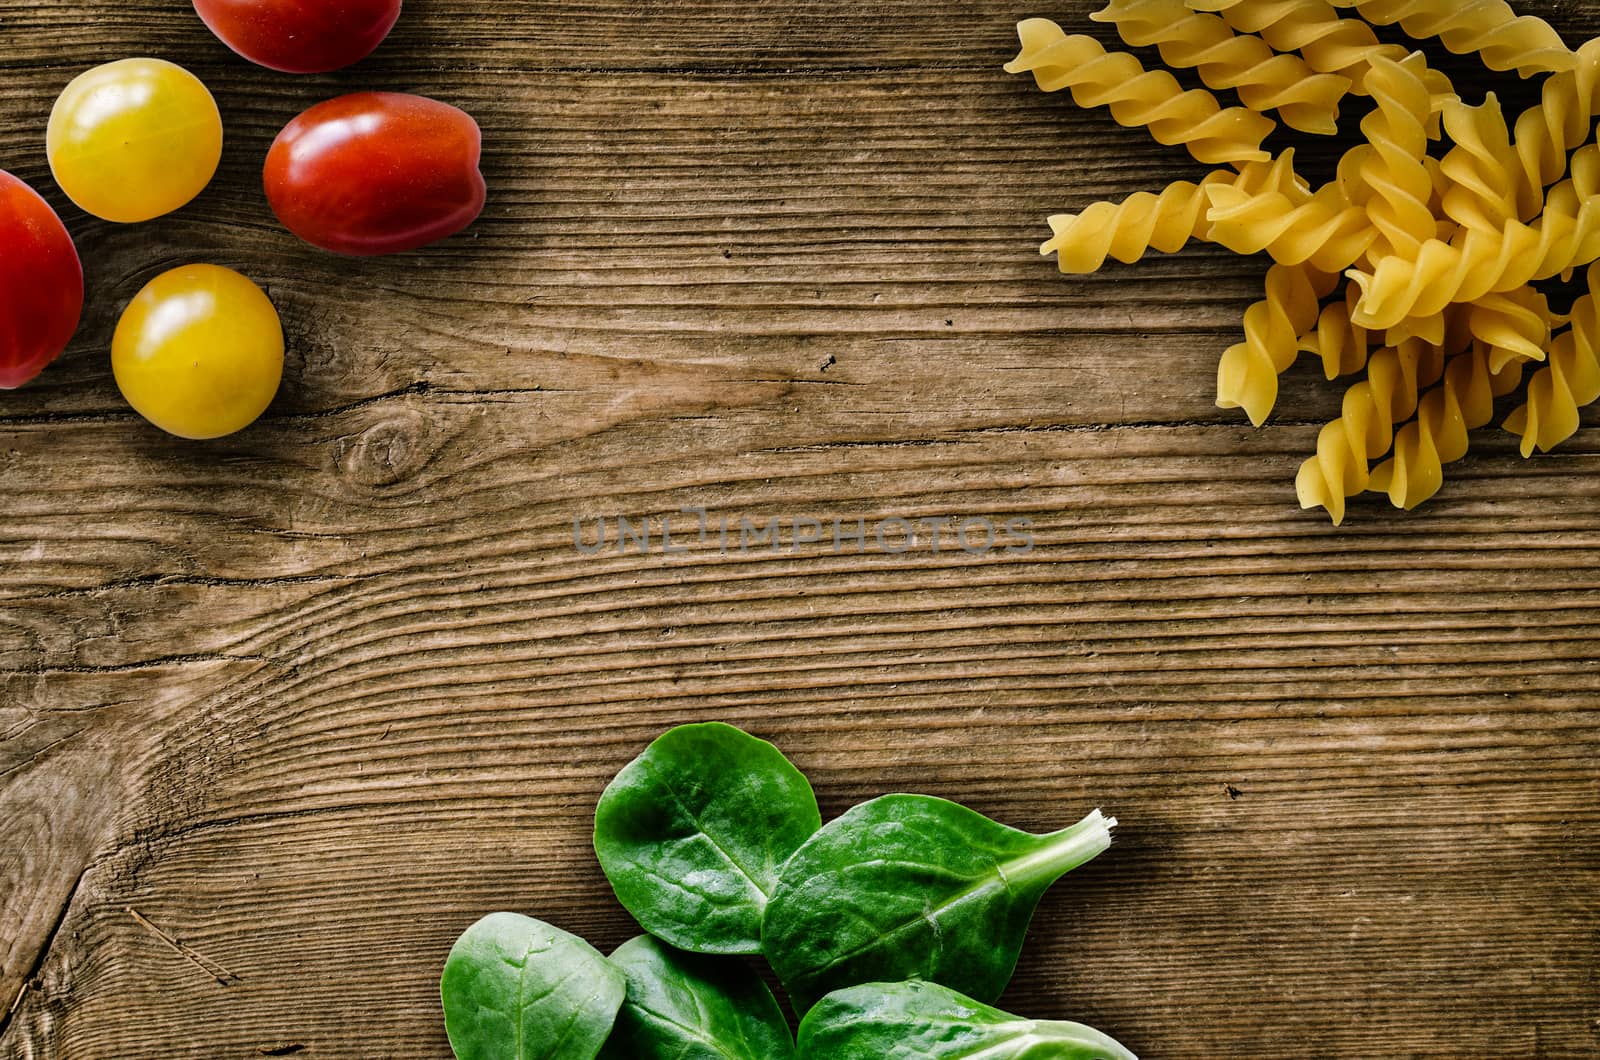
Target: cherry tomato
(376, 173)
(300, 36)
(41, 283)
(199, 352)
(134, 139)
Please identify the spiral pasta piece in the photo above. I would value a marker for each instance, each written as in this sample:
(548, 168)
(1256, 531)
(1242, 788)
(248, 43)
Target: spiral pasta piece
(1354, 168)
(1504, 39)
(1330, 44)
(1463, 401)
(1247, 376)
(1365, 429)
(1442, 248)
(1570, 381)
(1265, 80)
(1326, 230)
(1446, 226)
(1548, 132)
(1566, 236)
(1127, 230)
(1142, 222)
(1430, 329)
(1394, 171)
(1483, 177)
(1342, 345)
(1514, 326)
(1138, 97)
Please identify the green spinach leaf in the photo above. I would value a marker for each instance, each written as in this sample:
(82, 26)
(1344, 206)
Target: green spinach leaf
(515, 988)
(692, 833)
(924, 1021)
(915, 887)
(682, 1006)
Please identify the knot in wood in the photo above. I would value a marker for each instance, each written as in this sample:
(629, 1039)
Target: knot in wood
(389, 451)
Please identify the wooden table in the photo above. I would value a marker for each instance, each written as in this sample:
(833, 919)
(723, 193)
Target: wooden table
(283, 713)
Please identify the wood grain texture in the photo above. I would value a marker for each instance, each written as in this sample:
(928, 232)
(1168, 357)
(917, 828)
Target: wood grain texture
(312, 698)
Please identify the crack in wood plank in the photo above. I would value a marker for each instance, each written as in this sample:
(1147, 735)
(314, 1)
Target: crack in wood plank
(43, 952)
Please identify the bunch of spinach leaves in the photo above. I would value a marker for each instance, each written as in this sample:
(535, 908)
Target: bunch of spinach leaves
(890, 927)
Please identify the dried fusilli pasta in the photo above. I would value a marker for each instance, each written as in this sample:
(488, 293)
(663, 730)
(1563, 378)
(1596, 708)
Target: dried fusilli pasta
(1330, 44)
(1566, 236)
(1127, 230)
(1564, 118)
(1482, 175)
(1326, 230)
(1569, 382)
(1514, 326)
(1139, 97)
(1447, 228)
(1393, 168)
(1353, 173)
(1265, 80)
(1346, 447)
(1463, 401)
(1342, 344)
(1430, 329)
(1442, 247)
(1505, 40)
(1247, 376)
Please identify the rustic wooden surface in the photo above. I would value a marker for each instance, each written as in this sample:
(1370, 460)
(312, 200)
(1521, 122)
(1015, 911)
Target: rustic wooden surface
(311, 699)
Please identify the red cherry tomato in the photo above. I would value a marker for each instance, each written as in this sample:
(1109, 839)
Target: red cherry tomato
(41, 283)
(300, 36)
(376, 173)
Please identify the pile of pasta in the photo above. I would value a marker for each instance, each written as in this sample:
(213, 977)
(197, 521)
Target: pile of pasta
(1442, 220)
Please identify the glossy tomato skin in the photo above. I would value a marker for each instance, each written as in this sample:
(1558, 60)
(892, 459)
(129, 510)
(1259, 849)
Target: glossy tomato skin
(376, 173)
(300, 36)
(134, 139)
(41, 283)
(199, 352)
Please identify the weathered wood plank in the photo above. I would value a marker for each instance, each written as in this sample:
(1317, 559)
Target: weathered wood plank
(445, 699)
(313, 698)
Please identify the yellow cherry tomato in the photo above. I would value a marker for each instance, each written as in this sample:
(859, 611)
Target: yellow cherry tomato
(199, 352)
(134, 139)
